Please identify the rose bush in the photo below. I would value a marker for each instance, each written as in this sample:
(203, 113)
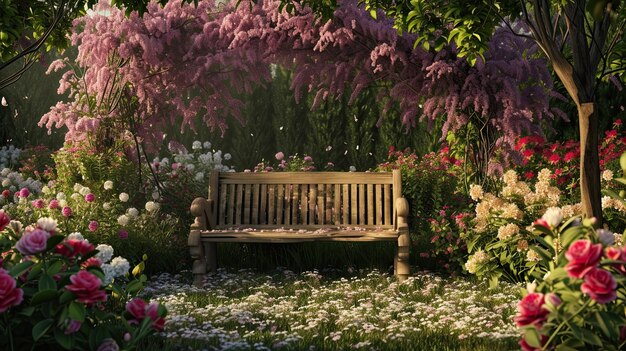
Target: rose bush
(55, 292)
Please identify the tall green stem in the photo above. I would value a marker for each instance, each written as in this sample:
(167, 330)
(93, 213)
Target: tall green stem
(555, 332)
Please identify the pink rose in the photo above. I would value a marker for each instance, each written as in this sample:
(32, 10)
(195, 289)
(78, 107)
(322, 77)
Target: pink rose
(33, 242)
(583, 256)
(137, 308)
(6, 194)
(93, 226)
(39, 204)
(531, 310)
(24, 192)
(91, 262)
(72, 327)
(600, 285)
(54, 204)
(152, 311)
(66, 211)
(73, 247)
(90, 197)
(9, 294)
(140, 310)
(86, 286)
(4, 220)
(308, 159)
(541, 222)
(279, 156)
(122, 234)
(616, 254)
(108, 345)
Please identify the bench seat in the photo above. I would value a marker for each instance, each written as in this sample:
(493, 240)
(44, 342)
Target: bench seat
(294, 207)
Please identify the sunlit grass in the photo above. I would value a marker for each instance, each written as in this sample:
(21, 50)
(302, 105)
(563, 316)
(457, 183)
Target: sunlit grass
(369, 310)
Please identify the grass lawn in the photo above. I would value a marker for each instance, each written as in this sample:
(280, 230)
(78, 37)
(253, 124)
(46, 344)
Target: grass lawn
(332, 310)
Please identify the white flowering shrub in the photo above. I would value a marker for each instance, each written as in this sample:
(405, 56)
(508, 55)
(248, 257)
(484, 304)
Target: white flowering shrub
(9, 156)
(184, 175)
(12, 183)
(500, 241)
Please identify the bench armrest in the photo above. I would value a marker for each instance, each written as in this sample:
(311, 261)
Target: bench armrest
(402, 213)
(201, 209)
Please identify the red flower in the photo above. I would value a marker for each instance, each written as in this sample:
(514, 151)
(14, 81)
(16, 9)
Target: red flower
(529, 175)
(610, 134)
(528, 153)
(541, 222)
(86, 286)
(9, 294)
(531, 310)
(583, 256)
(73, 247)
(615, 254)
(91, 262)
(554, 159)
(600, 285)
(6, 194)
(4, 220)
(617, 122)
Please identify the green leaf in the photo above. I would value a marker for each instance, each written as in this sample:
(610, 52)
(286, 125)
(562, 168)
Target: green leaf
(66, 341)
(40, 329)
(53, 241)
(20, 268)
(44, 296)
(600, 320)
(47, 283)
(77, 311)
(66, 297)
(622, 162)
(532, 337)
(27, 311)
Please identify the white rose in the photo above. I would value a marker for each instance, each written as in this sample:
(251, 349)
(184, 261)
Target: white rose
(196, 145)
(227, 156)
(352, 169)
(76, 236)
(152, 206)
(108, 185)
(123, 220)
(133, 212)
(61, 196)
(553, 216)
(106, 206)
(124, 197)
(76, 196)
(77, 187)
(207, 145)
(84, 191)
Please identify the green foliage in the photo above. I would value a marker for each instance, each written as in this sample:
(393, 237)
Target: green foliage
(430, 184)
(64, 300)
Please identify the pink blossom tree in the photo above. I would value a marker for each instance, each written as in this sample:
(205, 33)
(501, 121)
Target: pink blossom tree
(140, 74)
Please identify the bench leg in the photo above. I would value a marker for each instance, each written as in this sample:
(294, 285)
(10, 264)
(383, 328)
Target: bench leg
(401, 264)
(210, 256)
(196, 249)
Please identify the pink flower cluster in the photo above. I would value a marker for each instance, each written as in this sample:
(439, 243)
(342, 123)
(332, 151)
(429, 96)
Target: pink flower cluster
(533, 310)
(584, 258)
(10, 295)
(139, 309)
(86, 286)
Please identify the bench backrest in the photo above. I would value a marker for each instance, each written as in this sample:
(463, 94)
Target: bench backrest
(304, 199)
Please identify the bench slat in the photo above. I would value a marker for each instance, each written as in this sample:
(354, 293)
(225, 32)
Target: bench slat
(353, 206)
(387, 204)
(290, 236)
(328, 216)
(304, 204)
(263, 206)
(306, 178)
(361, 200)
(238, 203)
(370, 204)
(345, 205)
(337, 204)
(280, 203)
(231, 204)
(222, 214)
(312, 202)
(288, 189)
(247, 203)
(379, 204)
(271, 203)
(214, 194)
(294, 204)
(255, 204)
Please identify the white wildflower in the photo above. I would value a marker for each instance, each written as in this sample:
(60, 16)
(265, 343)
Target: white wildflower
(196, 145)
(607, 175)
(507, 231)
(207, 145)
(124, 197)
(476, 192)
(133, 212)
(108, 185)
(123, 220)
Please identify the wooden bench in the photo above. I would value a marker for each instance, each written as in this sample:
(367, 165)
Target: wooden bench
(291, 207)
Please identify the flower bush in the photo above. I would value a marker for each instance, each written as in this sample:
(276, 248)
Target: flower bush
(499, 239)
(579, 303)
(58, 291)
(292, 163)
(564, 158)
(182, 176)
(9, 156)
(431, 185)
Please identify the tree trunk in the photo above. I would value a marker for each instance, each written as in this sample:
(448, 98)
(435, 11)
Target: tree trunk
(589, 161)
